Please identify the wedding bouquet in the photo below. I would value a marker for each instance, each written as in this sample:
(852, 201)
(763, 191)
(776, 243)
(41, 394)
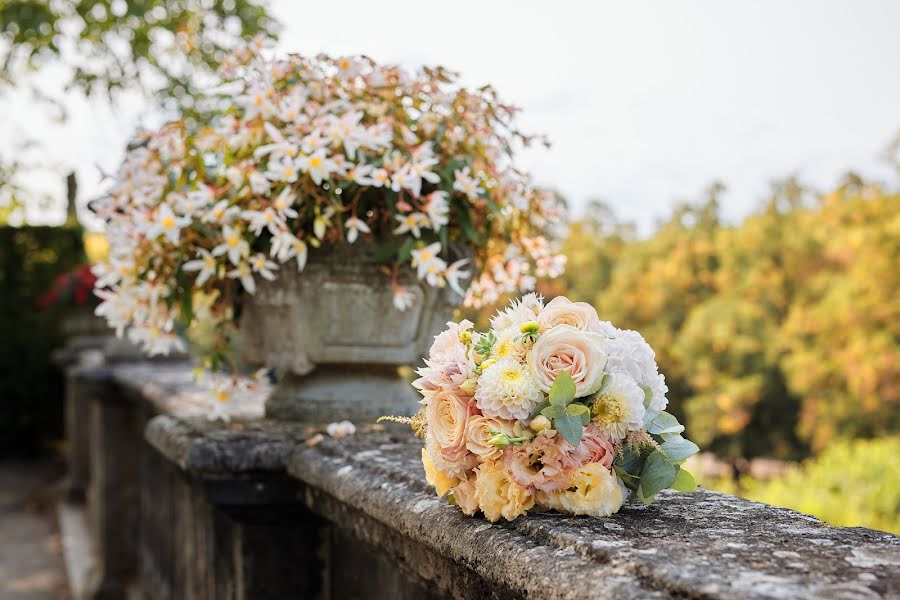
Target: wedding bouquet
(550, 407)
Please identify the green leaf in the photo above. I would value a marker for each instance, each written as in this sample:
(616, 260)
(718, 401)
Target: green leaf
(657, 423)
(485, 343)
(605, 382)
(553, 412)
(569, 427)
(630, 460)
(658, 474)
(386, 251)
(684, 481)
(676, 448)
(562, 392)
(630, 481)
(648, 394)
(540, 409)
(405, 250)
(576, 409)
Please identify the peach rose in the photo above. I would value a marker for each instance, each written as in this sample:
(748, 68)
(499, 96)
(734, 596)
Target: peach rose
(448, 415)
(480, 430)
(565, 348)
(562, 311)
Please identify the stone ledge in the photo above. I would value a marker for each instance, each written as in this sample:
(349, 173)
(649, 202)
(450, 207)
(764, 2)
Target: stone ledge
(224, 449)
(704, 544)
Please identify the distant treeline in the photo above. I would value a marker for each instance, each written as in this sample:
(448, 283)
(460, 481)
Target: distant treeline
(776, 336)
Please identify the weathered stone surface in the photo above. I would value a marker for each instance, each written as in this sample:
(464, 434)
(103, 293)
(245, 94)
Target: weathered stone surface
(200, 446)
(705, 544)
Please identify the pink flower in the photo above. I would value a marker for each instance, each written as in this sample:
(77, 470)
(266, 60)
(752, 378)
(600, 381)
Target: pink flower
(565, 348)
(598, 448)
(544, 463)
(449, 364)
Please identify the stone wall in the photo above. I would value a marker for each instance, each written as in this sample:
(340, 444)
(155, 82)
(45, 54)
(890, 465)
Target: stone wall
(181, 507)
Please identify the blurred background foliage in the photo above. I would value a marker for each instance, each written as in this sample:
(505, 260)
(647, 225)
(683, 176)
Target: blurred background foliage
(31, 258)
(778, 335)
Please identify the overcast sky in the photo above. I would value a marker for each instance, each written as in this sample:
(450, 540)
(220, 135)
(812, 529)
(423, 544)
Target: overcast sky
(646, 103)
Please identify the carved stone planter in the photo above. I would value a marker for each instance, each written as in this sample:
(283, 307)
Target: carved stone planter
(335, 339)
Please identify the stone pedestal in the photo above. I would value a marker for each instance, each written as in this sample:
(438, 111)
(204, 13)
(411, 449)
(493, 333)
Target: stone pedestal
(360, 393)
(335, 338)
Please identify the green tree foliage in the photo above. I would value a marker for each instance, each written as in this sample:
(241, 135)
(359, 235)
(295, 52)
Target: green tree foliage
(777, 336)
(166, 47)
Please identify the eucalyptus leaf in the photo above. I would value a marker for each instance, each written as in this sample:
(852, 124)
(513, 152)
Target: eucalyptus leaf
(658, 474)
(630, 460)
(662, 422)
(684, 481)
(630, 481)
(577, 409)
(562, 392)
(553, 412)
(605, 382)
(569, 427)
(539, 409)
(648, 394)
(676, 448)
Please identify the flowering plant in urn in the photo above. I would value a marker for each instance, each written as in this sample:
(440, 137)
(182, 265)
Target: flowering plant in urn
(551, 407)
(300, 155)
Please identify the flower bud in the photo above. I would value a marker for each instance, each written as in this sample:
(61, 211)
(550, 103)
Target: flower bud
(539, 423)
(487, 363)
(530, 328)
(469, 385)
(465, 337)
(501, 440)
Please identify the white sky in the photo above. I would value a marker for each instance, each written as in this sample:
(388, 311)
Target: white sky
(645, 102)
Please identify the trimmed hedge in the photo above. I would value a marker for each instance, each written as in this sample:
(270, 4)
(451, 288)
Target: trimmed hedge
(31, 386)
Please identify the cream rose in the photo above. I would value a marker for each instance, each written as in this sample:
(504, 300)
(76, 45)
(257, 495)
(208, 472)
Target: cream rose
(562, 311)
(481, 429)
(566, 348)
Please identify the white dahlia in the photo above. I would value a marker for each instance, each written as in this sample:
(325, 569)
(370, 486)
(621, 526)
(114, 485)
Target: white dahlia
(507, 390)
(510, 346)
(620, 408)
(507, 322)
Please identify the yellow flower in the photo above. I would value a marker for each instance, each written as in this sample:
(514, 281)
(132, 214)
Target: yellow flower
(498, 494)
(442, 482)
(593, 491)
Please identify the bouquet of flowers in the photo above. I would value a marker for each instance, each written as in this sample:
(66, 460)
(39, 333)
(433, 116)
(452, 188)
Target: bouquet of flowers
(307, 152)
(550, 407)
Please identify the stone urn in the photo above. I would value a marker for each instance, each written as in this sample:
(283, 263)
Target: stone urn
(335, 339)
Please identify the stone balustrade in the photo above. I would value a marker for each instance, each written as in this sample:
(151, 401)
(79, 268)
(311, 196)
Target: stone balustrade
(180, 507)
